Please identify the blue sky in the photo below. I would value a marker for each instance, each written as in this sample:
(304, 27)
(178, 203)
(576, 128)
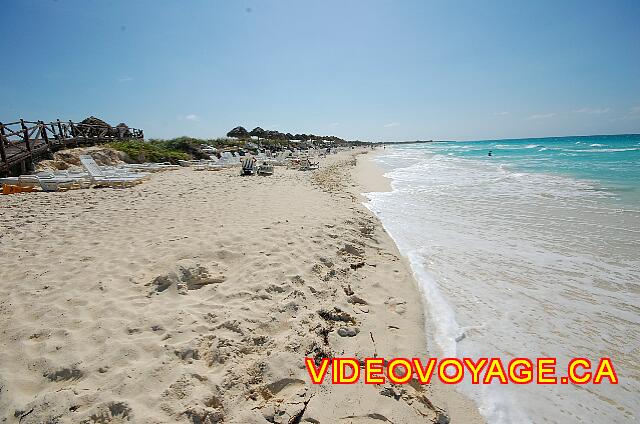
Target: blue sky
(371, 70)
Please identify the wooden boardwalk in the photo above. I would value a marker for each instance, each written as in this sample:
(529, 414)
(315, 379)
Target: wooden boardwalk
(23, 142)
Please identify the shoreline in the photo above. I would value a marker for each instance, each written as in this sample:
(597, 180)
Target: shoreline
(485, 230)
(196, 296)
(369, 177)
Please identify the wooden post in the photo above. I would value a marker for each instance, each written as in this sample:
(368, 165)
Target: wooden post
(43, 133)
(74, 133)
(25, 131)
(62, 135)
(3, 154)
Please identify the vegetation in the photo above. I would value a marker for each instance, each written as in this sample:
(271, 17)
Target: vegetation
(149, 151)
(185, 148)
(186, 143)
(173, 150)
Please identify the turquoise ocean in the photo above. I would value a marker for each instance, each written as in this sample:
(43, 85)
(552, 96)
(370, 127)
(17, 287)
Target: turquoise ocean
(533, 251)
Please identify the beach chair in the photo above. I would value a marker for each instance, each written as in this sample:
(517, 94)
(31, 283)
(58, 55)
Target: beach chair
(190, 162)
(202, 166)
(227, 159)
(32, 180)
(281, 159)
(214, 164)
(248, 165)
(79, 179)
(48, 181)
(9, 181)
(57, 184)
(99, 178)
(265, 169)
(307, 165)
(149, 166)
(166, 166)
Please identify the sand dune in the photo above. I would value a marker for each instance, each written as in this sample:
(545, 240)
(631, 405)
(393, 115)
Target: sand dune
(195, 296)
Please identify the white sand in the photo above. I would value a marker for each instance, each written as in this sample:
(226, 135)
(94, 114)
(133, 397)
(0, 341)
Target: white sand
(194, 298)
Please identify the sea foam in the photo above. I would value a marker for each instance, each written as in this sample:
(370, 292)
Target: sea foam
(515, 262)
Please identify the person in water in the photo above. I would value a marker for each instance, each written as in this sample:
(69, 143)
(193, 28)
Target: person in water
(490, 154)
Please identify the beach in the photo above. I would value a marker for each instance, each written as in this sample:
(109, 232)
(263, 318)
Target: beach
(195, 297)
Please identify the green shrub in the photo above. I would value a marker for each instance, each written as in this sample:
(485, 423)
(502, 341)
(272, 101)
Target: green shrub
(180, 148)
(150, 151)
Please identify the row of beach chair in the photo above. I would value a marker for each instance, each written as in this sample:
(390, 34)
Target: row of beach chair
(92, 175)
(213, 164)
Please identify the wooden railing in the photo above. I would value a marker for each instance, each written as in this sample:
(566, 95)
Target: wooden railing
(22, 142)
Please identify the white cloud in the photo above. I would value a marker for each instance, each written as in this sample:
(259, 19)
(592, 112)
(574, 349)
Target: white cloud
(192, 117)
(500, 113)
(391, 124)
(125, 79)
(541, 116)
(334, 124)
(593, 111)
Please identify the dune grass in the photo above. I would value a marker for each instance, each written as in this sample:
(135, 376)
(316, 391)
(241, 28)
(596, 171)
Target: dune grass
(150, 151)
(172, 150)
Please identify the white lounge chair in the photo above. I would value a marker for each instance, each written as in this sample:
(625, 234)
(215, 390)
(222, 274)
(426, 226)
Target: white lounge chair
(265, 169)
(49, 181)
(214, 164)
(55, 184)
(307, 165)
(281, 159)
(100, 178)
(227, 159)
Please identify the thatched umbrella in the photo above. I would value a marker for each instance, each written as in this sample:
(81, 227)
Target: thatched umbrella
(257, 132)
(238, 132)
(97, 127)
(122, 131)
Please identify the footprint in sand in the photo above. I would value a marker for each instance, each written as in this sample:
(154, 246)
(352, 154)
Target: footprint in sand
(189, 275)
(396, 305)
(110, 412)
(64, 374)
